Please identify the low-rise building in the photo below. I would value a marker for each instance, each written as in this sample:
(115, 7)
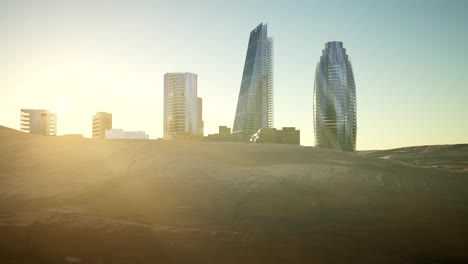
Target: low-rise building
(121, 134)
(224, 134)
(288, 135)
(101, 123)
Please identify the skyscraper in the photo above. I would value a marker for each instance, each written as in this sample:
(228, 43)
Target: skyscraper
(335, 100)
(101, 123)
(39, 122)
(182, 107)
(255, 103)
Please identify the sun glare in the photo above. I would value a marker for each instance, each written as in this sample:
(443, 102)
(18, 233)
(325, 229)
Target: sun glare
(62, 105)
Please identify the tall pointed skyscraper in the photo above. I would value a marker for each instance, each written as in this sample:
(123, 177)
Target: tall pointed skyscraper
(255, 103)
(335, 100)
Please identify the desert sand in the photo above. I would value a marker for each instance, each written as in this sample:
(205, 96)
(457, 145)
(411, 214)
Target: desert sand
(75, 200)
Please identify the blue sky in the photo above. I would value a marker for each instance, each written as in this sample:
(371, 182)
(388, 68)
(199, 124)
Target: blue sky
(409, 57)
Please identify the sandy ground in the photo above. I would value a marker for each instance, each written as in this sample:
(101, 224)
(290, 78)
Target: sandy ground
(75, 200)
(452, 158)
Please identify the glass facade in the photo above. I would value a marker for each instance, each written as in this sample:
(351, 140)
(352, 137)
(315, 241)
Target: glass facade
(335, 100)
(255, 104)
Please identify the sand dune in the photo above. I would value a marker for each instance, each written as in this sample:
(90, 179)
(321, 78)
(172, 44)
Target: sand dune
(453, 158)
(76, 200)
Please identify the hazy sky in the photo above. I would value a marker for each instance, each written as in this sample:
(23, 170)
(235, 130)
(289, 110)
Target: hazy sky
(410, 61)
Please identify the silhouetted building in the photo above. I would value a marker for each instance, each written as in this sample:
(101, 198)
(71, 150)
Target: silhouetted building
(288, 135)
(224, 130)
(101, 122)
(255, 103)
(121, 134)
(182, 107)
(335, 100)
(224, 134)
(39, 122)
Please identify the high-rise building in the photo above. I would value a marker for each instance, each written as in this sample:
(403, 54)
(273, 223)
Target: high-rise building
(182, 107)
(335, 100)
(255, 104)
(101, 122)
(39, 122)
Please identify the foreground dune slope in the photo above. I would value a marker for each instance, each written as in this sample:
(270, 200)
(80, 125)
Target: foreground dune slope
(75, 200)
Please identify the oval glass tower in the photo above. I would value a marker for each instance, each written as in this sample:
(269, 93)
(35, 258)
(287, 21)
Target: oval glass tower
(335, 100)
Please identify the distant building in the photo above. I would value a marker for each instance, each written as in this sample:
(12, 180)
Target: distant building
(39, 122)
(225, 134)
(335, 100)
(182, 107)
(186, 136)
(255, 104)
(121, 134)
(73, 136)
(224, 130)
(288, 135)
(101, 122)
(200, 116)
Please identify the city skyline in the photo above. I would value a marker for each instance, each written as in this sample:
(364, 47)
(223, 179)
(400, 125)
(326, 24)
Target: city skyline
(67, 57)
